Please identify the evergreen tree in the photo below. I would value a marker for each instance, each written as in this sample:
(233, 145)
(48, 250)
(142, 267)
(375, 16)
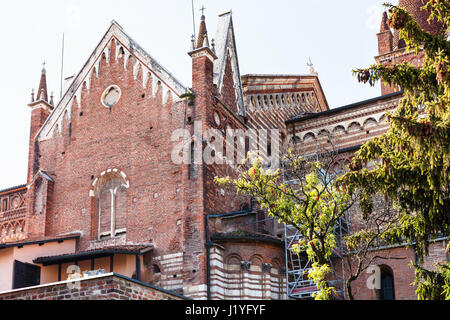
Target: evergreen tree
(412, 158)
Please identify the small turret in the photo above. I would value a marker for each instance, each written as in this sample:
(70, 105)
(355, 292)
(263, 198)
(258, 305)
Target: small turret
(40, 110)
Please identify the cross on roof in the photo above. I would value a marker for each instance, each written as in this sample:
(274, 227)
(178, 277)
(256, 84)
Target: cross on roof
(202, 9)
(43, 64)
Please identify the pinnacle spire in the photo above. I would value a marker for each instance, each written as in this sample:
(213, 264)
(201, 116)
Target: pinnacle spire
(384, 25)
(202, 39)
(42, 90)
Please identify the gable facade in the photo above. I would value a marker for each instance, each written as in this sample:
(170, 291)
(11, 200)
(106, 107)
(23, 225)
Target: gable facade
(101, 166)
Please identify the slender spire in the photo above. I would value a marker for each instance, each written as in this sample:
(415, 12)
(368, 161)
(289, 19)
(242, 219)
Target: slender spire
(42, 91)
(384, 25)
(202, 39)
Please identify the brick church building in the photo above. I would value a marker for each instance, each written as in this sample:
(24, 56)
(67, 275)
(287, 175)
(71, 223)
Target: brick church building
(104, 197)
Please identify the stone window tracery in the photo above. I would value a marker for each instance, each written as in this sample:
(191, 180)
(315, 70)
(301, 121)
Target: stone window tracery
(111, 198)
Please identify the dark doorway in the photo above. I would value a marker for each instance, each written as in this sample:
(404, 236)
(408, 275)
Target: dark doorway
(26, 275)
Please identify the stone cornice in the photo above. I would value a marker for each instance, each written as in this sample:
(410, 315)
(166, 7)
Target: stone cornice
(40, 104)
(345, 115)
(204, 51)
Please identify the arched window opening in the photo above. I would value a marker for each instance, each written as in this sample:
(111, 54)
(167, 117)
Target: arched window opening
(387, 290)
(111, 199)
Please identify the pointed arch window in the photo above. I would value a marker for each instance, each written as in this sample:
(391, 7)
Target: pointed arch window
(111, 205)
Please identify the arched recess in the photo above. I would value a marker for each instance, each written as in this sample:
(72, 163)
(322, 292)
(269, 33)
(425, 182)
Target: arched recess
(354, 126)
(109, 209)
(309, 137)
(370, 122)
(256, 260)
(338, 130)
(382, 119)
(233, 261)
(324, 134)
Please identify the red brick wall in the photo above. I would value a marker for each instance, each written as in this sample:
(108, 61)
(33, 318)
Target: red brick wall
(228, 93)
(403, 275)
(133, 137)
(109, 287)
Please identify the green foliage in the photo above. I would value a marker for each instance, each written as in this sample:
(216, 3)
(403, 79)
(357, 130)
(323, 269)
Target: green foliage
(318, 275)
(190, 96)
(412, 158)
(433, 285)
(313, 206)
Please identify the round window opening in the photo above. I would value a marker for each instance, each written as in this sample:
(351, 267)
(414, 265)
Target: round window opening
(110, 96)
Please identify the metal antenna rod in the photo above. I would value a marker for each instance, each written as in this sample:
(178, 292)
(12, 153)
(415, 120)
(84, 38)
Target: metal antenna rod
(62, 68)
(193, 16)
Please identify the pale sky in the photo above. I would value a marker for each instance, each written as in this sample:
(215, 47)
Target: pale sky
(272, 36)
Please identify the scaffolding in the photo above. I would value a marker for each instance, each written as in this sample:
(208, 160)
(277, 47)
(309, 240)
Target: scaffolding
(298, 285)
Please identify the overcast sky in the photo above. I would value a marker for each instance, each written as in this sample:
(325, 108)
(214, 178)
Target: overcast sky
(272, 36)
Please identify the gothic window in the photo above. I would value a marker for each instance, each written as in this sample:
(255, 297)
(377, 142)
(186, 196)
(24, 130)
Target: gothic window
(111, 199)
